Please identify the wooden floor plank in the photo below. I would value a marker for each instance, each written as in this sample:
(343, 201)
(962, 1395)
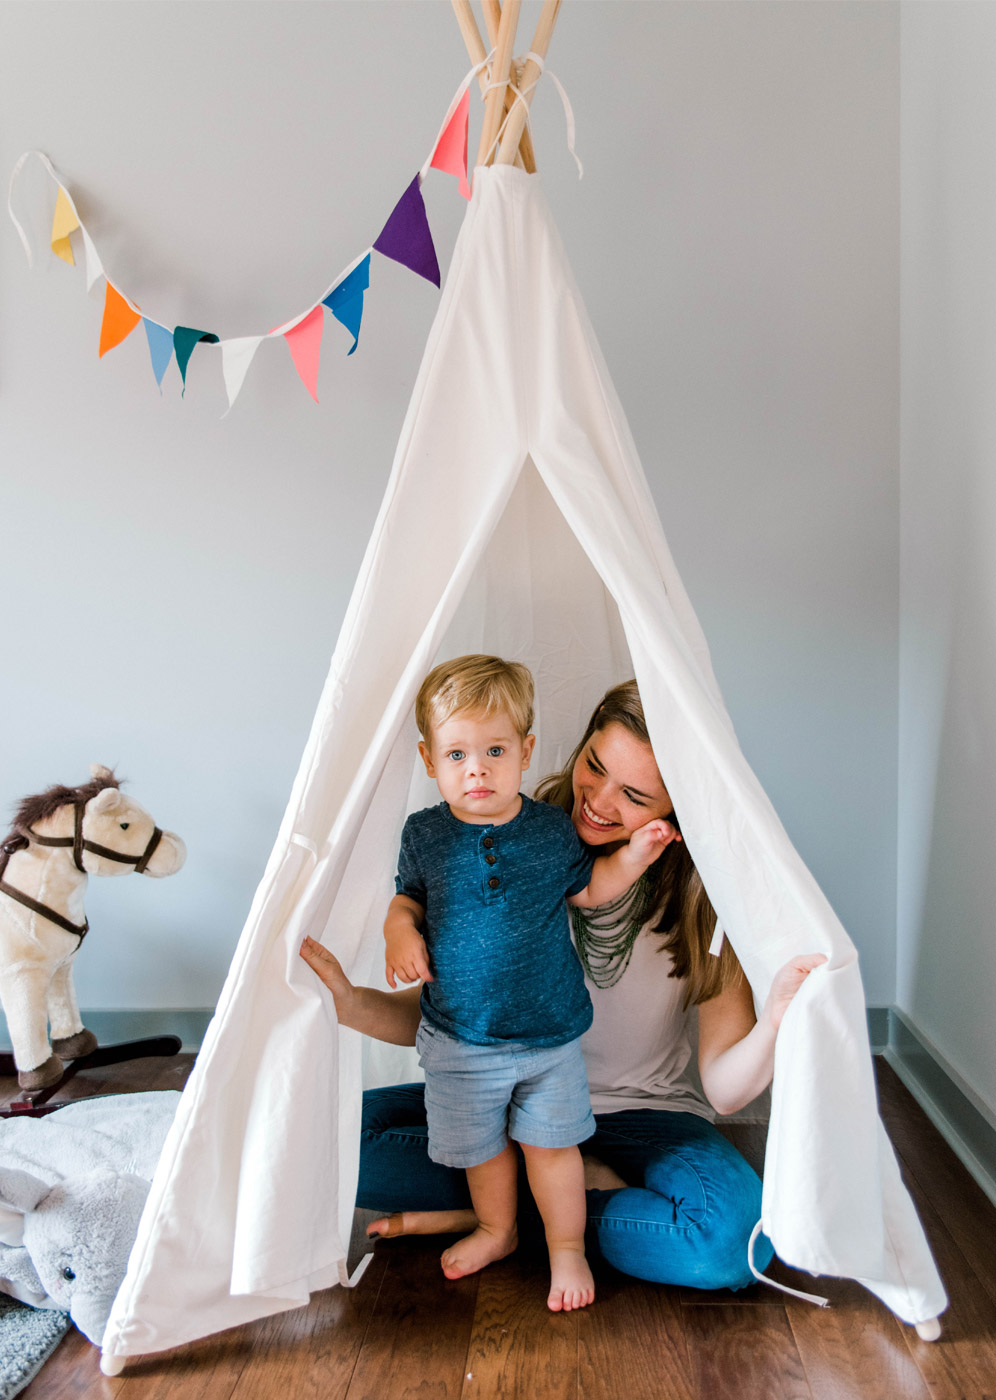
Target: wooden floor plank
(963, 1362)
(935, 1174)
(856, 1350)
(518, 1347)
(72, 1372)
(208, 1369)
(311, 1353)
(652, 1362)
(738, 1353)
(419, 1331)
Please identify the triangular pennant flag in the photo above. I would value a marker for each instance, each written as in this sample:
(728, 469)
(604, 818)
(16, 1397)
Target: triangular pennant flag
(305, 344)
(160, 348)
(184, 340)
(346, 300)
(63, 224)
(94, 267)
(450, 154)
(236, 357)
(406, 237)
(119, 321)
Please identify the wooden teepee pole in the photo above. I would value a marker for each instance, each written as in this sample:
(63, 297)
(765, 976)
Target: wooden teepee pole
(541, 43)
(478, 53)
(492, 18)
(495, 103)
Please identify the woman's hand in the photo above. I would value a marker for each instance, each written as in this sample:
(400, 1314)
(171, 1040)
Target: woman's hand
(389, 1016)
(786, 983)
(328, 967)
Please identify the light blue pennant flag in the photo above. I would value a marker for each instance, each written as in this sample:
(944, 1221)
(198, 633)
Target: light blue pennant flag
(160, 348)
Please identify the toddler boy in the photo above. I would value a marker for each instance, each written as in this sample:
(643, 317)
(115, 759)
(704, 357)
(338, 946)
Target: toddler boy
(479, 916)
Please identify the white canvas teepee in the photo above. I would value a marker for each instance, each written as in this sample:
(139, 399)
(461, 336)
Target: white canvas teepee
(517, 520)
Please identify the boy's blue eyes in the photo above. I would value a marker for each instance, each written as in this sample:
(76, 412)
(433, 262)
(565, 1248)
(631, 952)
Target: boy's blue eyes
(458, 755)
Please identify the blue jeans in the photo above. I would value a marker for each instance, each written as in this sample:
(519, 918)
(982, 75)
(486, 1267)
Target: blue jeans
(688, 1222)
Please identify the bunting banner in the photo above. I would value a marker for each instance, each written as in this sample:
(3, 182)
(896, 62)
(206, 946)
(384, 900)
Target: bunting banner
(406, 238)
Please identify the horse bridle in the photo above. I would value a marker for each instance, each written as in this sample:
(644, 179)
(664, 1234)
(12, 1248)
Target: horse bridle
(22, 837)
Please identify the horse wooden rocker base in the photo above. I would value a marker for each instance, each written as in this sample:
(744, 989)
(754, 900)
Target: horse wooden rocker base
(60, 837)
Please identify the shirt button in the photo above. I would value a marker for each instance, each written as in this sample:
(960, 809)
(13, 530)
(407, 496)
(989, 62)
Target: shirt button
(488, 842)
(494, 882)
(491, 860)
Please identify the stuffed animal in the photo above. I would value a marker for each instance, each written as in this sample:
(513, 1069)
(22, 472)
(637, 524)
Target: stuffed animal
(72, 1189)
(59, 838)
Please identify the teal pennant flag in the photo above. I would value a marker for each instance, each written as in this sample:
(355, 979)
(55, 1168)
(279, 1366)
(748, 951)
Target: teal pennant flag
(184, 340)
(346, 300)
(160, 348)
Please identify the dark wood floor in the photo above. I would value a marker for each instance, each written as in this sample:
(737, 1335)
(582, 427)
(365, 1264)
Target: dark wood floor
(407, 1334)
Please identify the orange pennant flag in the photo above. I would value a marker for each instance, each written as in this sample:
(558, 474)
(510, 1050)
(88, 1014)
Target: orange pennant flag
(63, 224)
(119, 320)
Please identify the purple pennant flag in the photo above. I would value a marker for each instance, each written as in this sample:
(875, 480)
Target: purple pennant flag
(406, 237)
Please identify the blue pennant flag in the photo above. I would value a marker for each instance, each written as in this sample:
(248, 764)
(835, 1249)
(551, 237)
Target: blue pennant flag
(160, 348)
(346, 300)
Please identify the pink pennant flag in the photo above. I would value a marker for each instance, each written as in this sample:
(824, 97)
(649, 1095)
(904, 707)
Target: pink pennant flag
(450, 154)
(304, 341)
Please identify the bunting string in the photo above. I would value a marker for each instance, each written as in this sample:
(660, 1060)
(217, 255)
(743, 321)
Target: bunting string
(406, 238)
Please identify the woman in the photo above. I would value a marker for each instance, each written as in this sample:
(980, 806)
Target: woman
(669, 1199)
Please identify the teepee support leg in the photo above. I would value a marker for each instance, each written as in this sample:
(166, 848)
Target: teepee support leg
(478, 53)
(500, 69)
(525, 155)
(541, 43)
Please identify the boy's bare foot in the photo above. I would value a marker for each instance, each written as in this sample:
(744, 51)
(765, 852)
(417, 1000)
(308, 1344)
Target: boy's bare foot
(422, 1222)
(571, 1283)
(478, 1249)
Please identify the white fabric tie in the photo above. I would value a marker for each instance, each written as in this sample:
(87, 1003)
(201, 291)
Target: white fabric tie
(520, 96)
(782, 1287)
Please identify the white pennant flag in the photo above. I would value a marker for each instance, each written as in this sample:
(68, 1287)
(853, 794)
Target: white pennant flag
(236, 357)
(94, 267)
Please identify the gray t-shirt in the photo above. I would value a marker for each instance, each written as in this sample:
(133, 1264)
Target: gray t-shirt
(496, 923)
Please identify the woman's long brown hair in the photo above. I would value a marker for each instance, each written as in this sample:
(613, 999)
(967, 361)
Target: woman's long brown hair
(683, 914)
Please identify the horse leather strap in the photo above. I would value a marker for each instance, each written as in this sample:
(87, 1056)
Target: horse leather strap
(23, 836)
(18, 843)
(79, 846)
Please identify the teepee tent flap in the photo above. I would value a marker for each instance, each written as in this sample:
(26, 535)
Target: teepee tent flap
(513, 419)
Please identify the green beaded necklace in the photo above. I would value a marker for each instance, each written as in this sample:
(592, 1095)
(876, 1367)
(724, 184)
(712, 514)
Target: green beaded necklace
(605, 937)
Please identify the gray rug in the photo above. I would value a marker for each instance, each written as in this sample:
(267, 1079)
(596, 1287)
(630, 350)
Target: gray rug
(28, 1337)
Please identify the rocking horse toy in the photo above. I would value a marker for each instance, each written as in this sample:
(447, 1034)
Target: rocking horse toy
(59, 838)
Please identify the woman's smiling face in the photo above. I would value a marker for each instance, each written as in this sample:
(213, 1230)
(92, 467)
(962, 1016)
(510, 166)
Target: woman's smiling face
(617, 787)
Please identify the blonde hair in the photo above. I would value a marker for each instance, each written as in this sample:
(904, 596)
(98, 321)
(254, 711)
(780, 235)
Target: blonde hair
(484, 684)
(683, 914)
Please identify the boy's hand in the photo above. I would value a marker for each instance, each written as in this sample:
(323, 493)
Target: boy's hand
(647, 842)
(787, 982)
(406, 956)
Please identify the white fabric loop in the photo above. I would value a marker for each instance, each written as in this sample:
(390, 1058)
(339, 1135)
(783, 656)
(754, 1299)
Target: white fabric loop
(782, 1287)
(10, 197)
(520, 96)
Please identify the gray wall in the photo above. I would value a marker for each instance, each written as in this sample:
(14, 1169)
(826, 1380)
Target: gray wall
(174, 583)
(947, 777)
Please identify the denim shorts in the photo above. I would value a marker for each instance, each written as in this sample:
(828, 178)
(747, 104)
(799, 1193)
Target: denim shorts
(479, 1096)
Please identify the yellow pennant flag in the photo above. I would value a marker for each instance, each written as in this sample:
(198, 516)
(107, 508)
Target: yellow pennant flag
(63, 224)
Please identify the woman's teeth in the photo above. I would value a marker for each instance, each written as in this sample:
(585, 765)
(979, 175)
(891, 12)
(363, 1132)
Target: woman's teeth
(596, 821)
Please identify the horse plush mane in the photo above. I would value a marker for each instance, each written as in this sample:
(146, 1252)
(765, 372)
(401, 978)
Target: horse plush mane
(45, 804)
(60, 837)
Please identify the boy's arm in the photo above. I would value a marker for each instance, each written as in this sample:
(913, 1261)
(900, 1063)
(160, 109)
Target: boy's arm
(612, 876)
(406, 955)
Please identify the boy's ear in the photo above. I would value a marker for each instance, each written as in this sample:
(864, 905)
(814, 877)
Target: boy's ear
(528, 744)
(423, 749)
